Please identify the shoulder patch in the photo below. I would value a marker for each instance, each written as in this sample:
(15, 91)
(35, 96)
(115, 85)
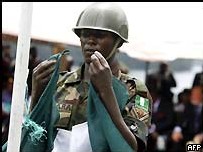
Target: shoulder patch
(142, 103)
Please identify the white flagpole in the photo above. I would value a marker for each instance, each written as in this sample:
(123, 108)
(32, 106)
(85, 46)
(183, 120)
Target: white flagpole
(20, 77)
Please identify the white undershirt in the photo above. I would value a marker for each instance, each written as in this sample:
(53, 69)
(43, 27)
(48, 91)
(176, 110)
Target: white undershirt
(76, 140)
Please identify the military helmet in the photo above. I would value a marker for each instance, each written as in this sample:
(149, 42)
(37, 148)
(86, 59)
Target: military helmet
(103, 16)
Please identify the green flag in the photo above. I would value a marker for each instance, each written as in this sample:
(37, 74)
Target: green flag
(38, 132)
(104, 135)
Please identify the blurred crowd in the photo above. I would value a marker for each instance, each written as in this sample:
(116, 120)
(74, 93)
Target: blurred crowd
(174, 124)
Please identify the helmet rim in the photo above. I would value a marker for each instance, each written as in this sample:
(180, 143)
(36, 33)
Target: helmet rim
(75, 29)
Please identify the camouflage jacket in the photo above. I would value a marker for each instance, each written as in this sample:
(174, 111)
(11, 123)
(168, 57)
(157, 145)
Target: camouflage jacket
(71, 97)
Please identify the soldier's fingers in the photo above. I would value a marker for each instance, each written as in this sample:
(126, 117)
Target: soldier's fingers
(101, 58)
(45, 73)
(39, 65)
(93, 69)
(44, 65)
(95, 61)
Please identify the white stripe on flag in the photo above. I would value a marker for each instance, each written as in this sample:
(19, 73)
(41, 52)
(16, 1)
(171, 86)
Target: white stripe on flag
(142, 101)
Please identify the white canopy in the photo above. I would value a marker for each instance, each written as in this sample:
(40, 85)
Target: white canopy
(157, 30)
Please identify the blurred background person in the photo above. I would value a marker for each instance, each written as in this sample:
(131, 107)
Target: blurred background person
(183, 100)
(68, 63)
(162, 122)
(175, 142)
(7, 86)
(6, 64)
(162, 81)
(6, 107)
(190, 128)
(198, 79)
(192, 125)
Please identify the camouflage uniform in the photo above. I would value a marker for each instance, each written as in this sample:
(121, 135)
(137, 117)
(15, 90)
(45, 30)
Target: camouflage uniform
(71, 97)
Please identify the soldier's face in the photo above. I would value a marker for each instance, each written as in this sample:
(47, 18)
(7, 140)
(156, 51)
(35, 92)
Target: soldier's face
(96, 40)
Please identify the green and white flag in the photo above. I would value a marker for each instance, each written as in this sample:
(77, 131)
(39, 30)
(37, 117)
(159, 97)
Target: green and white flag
(142, 103)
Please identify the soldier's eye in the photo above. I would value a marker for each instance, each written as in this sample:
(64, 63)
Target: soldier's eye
(100, 34)
(85, 34)
(96, 33)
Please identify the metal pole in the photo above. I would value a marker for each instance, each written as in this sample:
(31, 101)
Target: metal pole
(20, 77)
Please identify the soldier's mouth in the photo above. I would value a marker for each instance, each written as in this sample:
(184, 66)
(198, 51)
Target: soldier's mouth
(89, 52)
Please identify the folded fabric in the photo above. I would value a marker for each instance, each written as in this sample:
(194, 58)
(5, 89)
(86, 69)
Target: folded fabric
(104, 135)
(38, 132)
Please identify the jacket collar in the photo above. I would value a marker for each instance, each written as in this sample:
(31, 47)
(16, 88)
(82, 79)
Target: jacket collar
(76, 76)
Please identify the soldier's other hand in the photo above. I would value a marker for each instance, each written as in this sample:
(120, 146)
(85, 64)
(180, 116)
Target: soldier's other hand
(40, 78)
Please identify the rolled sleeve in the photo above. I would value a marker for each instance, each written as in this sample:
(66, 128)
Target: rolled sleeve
(138, 120)
(138, 128)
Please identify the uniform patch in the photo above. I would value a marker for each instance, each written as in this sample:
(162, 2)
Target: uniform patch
(142, 103)
(65, 112)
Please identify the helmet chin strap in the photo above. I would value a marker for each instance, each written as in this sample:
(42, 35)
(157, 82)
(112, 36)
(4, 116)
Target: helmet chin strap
(114, 49)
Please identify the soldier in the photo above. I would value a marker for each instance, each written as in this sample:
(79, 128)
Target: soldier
(102, 28)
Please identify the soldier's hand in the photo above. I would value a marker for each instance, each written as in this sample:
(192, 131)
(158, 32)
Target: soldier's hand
(40, 78)
(100, 72)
